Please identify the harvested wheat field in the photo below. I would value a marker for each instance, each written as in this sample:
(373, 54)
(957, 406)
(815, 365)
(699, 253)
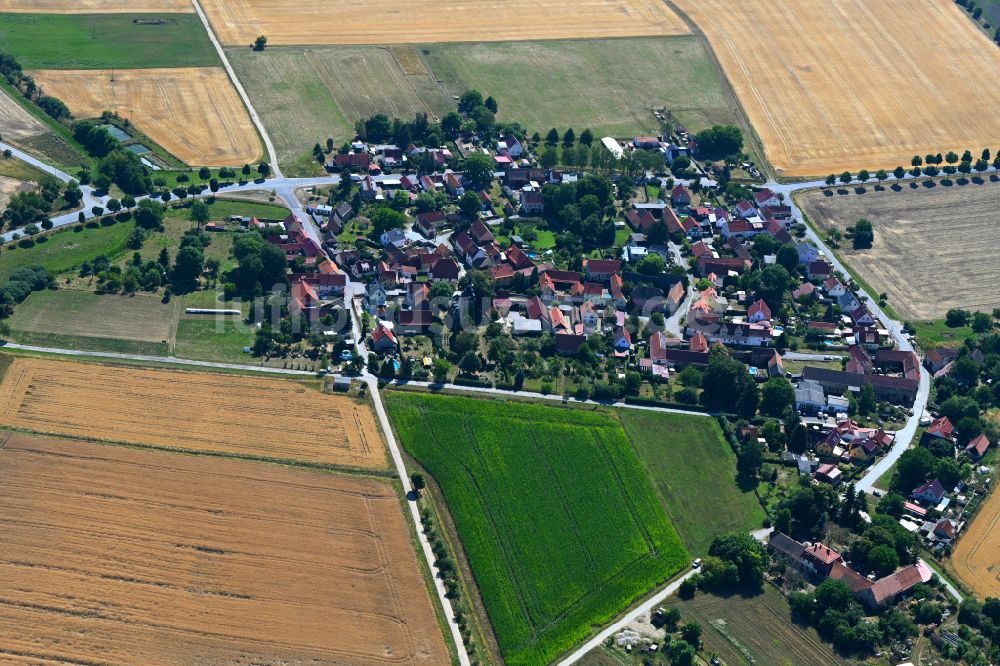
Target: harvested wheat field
(193, 112)
(418, 21)
(16, 123)
(843, 84)
(920, 261)
(94, 6)
(112, 555)
(249, 416)
(976, 558)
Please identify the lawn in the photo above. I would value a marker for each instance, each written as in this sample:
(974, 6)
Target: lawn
(218, 339)
(755, 630)
(608, 85)
(67, 249)
(103, 41)
(76, 319)
(936, 333)
(694, 470)
(12, 167)
(558, 519)
(306, 95)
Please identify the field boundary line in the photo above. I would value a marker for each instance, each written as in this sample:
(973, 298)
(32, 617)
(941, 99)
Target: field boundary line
(397, 459)
(272, 155)
(330, 468)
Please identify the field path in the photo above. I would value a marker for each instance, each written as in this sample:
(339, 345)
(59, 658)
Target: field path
(272, 154)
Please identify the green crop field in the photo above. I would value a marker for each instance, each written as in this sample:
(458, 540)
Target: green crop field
(67, 249)
(693, 468)
(103, 41)
(305, 95)
(608, 85)
(561, 526)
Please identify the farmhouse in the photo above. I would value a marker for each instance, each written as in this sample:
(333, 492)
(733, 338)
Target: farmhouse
(820, 561)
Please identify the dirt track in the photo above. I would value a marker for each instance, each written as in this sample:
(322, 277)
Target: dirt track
(270, 418)
(193, 112)
(112, 555)
(935, 249)
(419, 21)
(844, 84)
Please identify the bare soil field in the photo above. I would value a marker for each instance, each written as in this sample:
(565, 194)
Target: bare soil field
(305, 95)
(286, 22)
(844, 84)
(935, 248)
(193, 112)
(94, 6)
(976, 558)
(238, 415)
(113, 555)
(15, 121)
(10, 187)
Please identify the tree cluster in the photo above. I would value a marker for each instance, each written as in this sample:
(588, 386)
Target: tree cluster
(719, 142)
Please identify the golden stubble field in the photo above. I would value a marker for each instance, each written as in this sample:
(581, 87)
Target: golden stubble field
(419, 21)
(193, 112)
(230, 414)
(15, 122)
(95, 6)
(114, 555)
(844, 84)
(935, 248)
(976, 558)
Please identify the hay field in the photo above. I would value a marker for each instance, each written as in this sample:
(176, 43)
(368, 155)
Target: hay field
(305, 95)
(608, 85)
(976, 558)
(79, 319)
(935, 248)
(843, 84)
(238, 415)
(95, 6)
(112, 555)
(288, 22)
(15, 121)
(193, 112)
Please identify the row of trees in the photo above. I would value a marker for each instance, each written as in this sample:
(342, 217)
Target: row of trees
(927, 166)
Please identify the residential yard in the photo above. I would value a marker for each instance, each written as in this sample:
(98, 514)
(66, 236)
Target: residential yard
(76, 319)
(694, 472)
(934, 249)
(305, 95)
(608, 85)
(101, 41)
(560, 525)
(755, 630)
(937, 333)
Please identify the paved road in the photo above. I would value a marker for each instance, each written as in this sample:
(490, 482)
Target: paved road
(673, 323)
(644, 608)
(272, 155)
(905, 435)
(543, 396)
(172, 360)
